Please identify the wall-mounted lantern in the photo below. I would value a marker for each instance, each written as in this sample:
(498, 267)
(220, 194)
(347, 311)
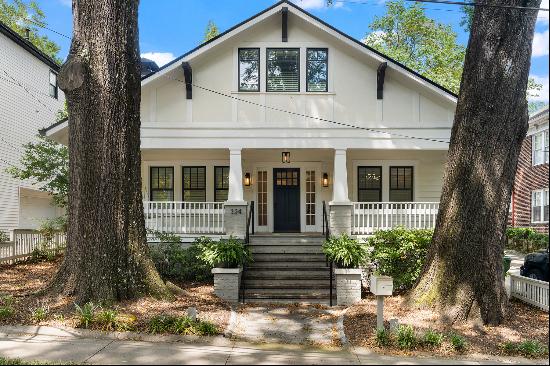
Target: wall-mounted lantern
(247, 179)
(325, 180)
(286, 157)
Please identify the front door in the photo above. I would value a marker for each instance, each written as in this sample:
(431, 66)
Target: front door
(286, 199)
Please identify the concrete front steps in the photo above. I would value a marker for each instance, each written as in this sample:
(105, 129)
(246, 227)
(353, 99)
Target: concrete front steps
(287, 268)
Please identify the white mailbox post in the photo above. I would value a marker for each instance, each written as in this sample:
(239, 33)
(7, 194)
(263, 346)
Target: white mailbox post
(380, 286)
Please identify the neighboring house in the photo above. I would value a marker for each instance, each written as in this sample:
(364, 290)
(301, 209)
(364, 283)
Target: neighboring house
(29, 99)
(210, 144)
(530, 196)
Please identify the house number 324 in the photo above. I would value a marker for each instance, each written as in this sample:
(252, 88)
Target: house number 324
(236, 211)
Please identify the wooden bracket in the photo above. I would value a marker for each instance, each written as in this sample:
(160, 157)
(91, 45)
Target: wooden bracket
(285, 24)
(380, 76)
(188, 74)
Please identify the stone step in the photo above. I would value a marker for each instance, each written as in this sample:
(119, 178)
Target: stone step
(319, 268)
(286, 275)
(287, 283)
(285, 241)
(286, 249)
(320, 298)
(284, 264)
(270, 300)
(293, 292)
(289, 257)
(286, 271)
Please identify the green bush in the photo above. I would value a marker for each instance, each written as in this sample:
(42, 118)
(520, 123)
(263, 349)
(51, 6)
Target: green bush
(458, 343)
(226, 253)
(406, 339)
(6, 306)
(383, 338)
(432, 338)
(181, 325)
(525, 240)
(178, 263)
(346, 252)
(400, 253)
(532, 348)
(4, 236)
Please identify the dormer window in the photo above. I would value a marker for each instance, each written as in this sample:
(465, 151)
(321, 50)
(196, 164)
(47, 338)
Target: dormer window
(317, 70)
(53, 84)
(249, 69)
(283, 70)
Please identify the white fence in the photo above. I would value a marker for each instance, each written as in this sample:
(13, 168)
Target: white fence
(531, 291)
(25, 242)
(185, 217)
(369, 217)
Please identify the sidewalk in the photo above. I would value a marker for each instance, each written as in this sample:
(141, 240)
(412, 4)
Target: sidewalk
(64, 345)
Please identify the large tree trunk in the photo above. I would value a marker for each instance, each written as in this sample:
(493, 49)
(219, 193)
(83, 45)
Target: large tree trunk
(463, 275)
(107, 257)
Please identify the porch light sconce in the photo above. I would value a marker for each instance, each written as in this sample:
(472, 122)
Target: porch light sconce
(286, 157)
(325, 180)
(247, 179)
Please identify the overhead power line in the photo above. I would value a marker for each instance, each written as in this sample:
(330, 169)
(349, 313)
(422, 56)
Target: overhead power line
(463, 3)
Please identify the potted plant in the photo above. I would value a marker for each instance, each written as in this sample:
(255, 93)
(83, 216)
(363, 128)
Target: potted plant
(348, 255)
(227, 256)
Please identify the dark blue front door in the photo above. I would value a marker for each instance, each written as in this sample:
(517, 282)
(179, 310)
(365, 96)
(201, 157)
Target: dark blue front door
(286, 199)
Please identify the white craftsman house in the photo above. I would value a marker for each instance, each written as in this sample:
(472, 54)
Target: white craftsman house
(283, 112)
(29, 100)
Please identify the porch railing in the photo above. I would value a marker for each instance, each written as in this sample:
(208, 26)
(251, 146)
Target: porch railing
(531, 291)
(369, 217)
(185, 217)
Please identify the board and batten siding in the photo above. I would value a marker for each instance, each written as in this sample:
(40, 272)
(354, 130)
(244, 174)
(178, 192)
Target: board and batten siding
(22, 114)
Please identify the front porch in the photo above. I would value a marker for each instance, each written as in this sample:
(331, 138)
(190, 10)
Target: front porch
(210, 192)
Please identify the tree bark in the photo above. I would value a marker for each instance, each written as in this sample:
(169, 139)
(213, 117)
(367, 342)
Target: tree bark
(107, 256)
(463, 274)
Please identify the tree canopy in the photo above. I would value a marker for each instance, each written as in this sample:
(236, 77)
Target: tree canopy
(20, 15)
(409, 36)
(211, 31)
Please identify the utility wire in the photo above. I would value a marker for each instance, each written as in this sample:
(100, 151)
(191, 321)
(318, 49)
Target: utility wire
(20, 84)
(481, 5)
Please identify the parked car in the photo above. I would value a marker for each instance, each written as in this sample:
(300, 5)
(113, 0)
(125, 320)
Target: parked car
(536, 265)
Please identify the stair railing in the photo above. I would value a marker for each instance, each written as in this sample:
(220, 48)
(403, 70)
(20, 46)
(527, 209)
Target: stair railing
(326, 232)
(249, 229)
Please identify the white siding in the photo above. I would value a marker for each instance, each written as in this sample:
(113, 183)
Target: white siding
(22, 114)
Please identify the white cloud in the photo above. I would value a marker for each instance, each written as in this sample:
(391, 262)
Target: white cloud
(543, 15)
(540, 44)
(316, 4)
(161, 58)
(543, 94)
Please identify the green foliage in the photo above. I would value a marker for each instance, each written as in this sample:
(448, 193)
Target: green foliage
(383, 338)
(40, 313)
(432, 338)
(86, 314)
(211, 31)
(6, 306)
(47, 163)
(226, 253)
(4, 236)
(525, 240)
(20, 15)
(106, 319)
(528, 348)
(458, 343)
(346, 252)
(164, 237)
(535, 106)
(408, 35)
(178, 263)
(467, 17)
(400, 253)
(406, 338)
(181, 325)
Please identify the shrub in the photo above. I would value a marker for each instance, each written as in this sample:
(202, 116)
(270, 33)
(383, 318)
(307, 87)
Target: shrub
(532, 348)
(346, 252)
(406, 339)
(42, 254)
(525, 240)
(86, 314)
(458, 343)
(178, 263)
(6, 307)
(432, 338)
(383, 338)
(400, 253)
(181, 325)
(226, 253)
(4, 236)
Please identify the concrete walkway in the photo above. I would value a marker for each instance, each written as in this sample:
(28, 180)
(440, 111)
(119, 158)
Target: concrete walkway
(68, 345)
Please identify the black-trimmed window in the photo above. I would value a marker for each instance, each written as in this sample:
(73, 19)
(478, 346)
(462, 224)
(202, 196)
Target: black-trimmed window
(161, 183)
(249, 69)
(194, 183)
(221, 183)
(401, 183)
(317, 70)
(369, 183)
(53, 85)
(283, 69)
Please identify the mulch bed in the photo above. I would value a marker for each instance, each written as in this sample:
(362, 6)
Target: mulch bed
(23, 280)
(523, 322)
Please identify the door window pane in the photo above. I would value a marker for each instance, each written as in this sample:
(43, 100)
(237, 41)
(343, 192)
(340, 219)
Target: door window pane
(369, 183)
(194, 184)
(283, 70)
(162, 183)
(317, 69)
(310, 197)
(401, 184)
(262, 198)
(249, 69)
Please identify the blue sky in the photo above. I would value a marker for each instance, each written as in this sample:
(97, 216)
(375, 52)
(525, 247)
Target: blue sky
(169, 28)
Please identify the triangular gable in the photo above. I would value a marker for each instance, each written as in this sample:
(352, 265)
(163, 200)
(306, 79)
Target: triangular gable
(310, 18)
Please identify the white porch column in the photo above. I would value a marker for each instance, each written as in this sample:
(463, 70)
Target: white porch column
(235, 194)
(340, 178)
